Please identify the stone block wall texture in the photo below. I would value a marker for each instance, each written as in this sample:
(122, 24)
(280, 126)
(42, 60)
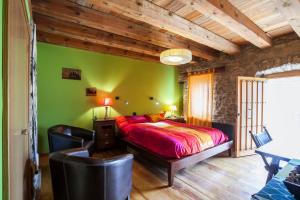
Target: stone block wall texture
(285, 49)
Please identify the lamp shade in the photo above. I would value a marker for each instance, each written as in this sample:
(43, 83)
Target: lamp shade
(176, 56)
(106, 102)
(173, 108)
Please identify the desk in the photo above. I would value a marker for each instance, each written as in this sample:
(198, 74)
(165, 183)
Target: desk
(278, 151)
(275, 188)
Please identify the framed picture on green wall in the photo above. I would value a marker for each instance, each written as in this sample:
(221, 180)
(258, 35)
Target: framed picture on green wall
(92, 91)
(69, 73)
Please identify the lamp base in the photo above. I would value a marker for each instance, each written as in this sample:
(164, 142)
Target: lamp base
(106, 113)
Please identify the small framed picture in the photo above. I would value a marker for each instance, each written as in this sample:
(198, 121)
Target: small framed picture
(91, 91)
(69, 73)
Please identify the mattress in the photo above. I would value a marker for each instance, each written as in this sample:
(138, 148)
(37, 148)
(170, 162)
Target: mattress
(171, 139)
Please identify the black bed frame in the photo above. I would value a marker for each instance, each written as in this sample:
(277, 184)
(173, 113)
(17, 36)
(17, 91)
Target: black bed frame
(174, 165)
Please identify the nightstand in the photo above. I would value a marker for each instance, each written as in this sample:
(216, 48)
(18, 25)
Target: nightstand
(177, 119)
(105, 133)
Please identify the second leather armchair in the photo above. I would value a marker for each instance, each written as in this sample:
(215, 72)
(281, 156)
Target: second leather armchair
(75, 176)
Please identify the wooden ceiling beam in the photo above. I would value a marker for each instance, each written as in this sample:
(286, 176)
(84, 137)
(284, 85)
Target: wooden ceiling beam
(75, 31)
(154, 15)
(75, 13)
(79, 44)
(290, 9)
(223, 12)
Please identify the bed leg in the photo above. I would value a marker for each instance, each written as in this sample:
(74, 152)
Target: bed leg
(171, 174)
(229, 152)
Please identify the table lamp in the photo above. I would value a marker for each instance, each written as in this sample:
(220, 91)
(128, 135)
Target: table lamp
(106, 102)
(173, 108)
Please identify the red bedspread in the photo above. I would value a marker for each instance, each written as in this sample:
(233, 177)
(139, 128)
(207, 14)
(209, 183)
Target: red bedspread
(171, 139)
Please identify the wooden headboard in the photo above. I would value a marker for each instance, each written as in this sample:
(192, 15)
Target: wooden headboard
(228, 129)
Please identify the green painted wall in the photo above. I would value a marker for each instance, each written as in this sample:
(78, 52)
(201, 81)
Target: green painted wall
(64, 101)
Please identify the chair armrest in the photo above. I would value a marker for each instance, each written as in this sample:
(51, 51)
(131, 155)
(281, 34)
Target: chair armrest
(83, 133)
(67, 137)
(119, 168)
(117, 159)
(80, 152)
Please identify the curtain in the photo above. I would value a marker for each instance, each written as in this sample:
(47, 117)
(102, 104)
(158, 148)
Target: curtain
(33, 134)
(200, 91)
(33, 128)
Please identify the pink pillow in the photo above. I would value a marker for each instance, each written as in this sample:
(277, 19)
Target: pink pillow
(155, 117)
(121, 121)
(137, 119)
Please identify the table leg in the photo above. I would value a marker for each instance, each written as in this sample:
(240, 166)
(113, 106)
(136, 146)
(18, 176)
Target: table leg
(274, 166)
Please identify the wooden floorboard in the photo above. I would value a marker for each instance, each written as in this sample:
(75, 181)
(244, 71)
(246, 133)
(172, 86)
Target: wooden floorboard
(215, 178)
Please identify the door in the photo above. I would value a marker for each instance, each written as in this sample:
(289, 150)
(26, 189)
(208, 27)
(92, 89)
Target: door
(16, 95)
(250, 113)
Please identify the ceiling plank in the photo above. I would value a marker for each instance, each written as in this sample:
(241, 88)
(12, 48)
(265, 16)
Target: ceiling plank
(75, 31)
(291, 10)
(154, 15)
(72, 12)
(223, 12)
(78, 44)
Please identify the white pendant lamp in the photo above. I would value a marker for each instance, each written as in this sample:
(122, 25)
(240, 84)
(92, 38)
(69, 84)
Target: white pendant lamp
(176, 56)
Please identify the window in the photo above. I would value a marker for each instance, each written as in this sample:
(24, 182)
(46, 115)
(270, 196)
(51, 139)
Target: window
(282, 109)
(200, 99)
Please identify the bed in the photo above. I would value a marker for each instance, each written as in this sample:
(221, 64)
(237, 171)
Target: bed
(171, 144)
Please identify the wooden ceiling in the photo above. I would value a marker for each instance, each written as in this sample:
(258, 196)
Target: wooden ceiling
(142, 29)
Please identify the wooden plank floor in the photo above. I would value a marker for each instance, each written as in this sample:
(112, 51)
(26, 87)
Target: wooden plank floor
(215, 178)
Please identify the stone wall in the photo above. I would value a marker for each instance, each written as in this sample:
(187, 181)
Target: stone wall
(285, 49)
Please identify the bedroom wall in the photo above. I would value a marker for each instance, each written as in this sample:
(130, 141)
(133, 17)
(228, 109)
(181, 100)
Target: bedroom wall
(285, 49)
(64, 101)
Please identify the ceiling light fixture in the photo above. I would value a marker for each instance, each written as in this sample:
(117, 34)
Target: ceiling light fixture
(176, 56)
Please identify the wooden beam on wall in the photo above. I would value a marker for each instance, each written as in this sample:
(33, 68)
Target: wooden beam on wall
(75, 13)
(290, 9)
(154, 15)
(78, 44)
(284, 74)
(208, 70)
(223, 12)
(75, 31)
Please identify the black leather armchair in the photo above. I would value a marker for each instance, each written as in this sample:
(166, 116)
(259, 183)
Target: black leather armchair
(75, 176)
(62, 137)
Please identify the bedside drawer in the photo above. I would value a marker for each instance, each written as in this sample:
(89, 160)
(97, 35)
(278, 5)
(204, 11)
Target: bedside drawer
(104, 127)
(106, 134)
(103, 144)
